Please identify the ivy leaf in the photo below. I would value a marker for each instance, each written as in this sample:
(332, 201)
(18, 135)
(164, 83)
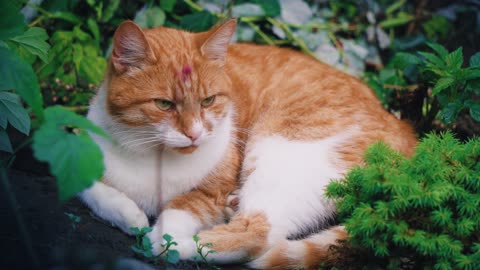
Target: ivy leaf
(475, 112)
(173, 256)
(442, 84)
(199, 21)
(16, 74)
(11, 109)
(475, 60)
(33, 40)
(74, 158)
(5, 144)
(454, 59)
(11, 21)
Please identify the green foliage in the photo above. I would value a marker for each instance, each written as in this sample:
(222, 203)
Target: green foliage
(452, 86)
(74, 219)
(75, 59)
(64, 142)
(202, 254)
(143, 246)
(415, 213)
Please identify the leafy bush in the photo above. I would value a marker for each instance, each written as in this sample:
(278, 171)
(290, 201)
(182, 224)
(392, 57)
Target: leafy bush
(62, 137)
(443, 85)
(415, 213)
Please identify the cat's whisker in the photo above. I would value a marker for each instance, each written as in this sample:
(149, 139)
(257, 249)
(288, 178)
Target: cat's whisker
(133, 145)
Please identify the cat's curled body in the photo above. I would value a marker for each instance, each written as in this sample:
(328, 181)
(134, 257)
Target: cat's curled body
(192, 114)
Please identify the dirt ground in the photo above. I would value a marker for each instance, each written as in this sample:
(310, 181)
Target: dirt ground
(58, 243)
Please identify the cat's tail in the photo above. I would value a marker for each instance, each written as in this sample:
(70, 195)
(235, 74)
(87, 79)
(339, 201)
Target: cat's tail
(307, 253)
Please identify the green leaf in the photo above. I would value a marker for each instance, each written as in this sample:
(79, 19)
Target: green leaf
(93, 27)
(67, 16)
(475, 60)
(450, 111)
(146, 243)
(109, 10)
(433, 59)
(402, 60)
(442, 84)
(196, 238)
(197, 22)
(92, 68)
(167, 237)
(454, 59)
(150, 17)
(5, 144)
(271, 8)
(12, 109)
(475, 112)
(168, 5)
(11, 20)
(146, 230)
(18, 75)
(439, 49)
(74, 158)
(135, 230)
(401, 19)
(173, 256)
(396, 5)
(34, 41)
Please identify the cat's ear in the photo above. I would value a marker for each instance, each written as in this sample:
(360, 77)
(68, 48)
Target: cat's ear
(130, 47)
(216, 45)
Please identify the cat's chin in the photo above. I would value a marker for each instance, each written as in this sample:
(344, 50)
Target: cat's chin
(186, 150)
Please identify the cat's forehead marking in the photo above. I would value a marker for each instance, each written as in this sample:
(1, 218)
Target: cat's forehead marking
(185, 75)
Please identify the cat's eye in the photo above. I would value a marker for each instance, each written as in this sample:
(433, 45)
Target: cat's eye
(208, 101)
(164, 104)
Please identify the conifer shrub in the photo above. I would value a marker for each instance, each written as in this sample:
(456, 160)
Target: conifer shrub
(417, 213)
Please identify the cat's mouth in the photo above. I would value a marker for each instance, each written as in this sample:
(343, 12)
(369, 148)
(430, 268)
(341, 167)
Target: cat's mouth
(187, 149)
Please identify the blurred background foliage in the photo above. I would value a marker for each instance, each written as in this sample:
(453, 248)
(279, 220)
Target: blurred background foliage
(359, 37)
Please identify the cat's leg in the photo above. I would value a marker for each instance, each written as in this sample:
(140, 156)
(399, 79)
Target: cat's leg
(284, 183)
(184, 217)
(114, 206)
(187, 214)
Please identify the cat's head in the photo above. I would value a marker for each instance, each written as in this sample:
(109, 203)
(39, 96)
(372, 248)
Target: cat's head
(168, 87)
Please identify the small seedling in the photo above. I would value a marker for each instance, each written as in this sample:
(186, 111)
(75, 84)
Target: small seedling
(204, 254)
(143, 246)
(74, 219)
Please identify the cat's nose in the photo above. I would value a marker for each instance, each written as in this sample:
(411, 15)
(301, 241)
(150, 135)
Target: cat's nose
(194, 134)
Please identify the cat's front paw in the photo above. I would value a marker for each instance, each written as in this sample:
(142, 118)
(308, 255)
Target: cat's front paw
(185, 245)
(132, 216)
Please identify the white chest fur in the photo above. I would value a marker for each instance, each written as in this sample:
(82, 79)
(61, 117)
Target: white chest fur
(152, 178)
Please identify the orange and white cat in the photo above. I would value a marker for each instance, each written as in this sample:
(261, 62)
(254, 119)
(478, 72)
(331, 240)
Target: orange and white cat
(193, 118)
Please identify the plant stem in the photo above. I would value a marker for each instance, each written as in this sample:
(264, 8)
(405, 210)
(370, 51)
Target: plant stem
(193, 5)
(291, 36)
(264, 36)
(13, 205)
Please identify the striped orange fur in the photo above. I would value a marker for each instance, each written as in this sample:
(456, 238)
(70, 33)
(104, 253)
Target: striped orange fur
(296, 121)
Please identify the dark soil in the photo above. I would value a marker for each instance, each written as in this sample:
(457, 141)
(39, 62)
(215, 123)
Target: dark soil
(57, 241)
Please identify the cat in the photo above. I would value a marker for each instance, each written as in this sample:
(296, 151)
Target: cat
(193, 118)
